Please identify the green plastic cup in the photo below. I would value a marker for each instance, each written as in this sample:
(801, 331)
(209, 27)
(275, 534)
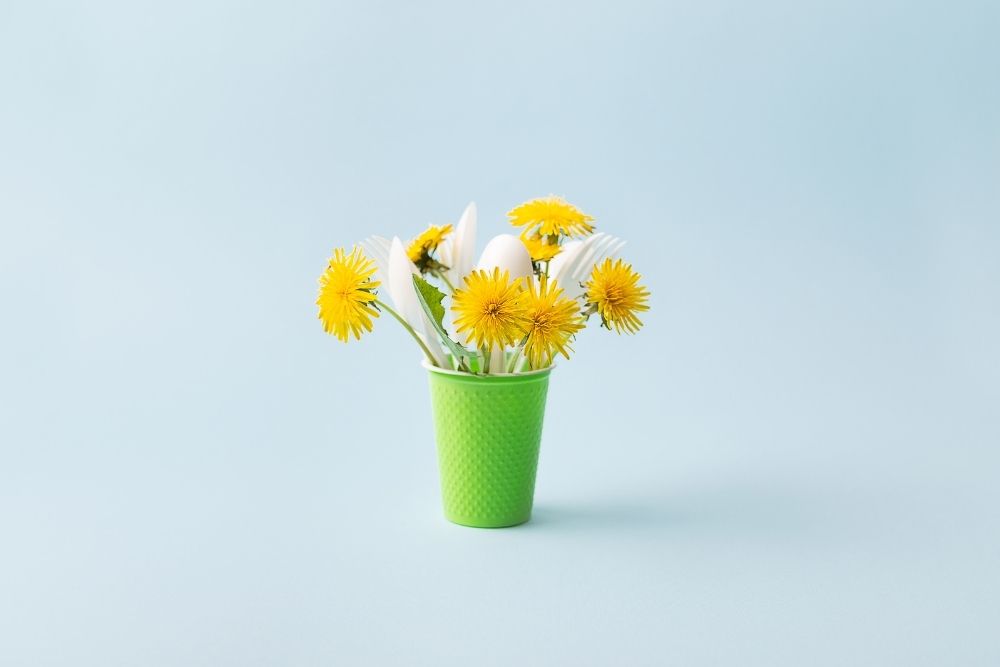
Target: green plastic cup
(488, 430)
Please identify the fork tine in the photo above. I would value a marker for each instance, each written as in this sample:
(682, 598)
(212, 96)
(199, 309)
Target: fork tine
(378, 247)
(587, 257)
(382, 246)
(612, 250)
(608, 248)
(567, 260)
(590, 256)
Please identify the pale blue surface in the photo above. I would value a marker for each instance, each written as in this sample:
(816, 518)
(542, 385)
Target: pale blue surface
(795, 463)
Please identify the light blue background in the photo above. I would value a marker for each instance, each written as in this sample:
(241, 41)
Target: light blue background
(794, 463)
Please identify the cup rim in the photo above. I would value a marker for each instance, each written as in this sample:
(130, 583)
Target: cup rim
(463, 374)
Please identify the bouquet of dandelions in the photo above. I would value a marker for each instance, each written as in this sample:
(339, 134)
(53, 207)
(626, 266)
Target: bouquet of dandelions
(512, 312)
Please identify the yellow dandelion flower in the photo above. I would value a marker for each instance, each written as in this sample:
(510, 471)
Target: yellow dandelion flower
(551, 216)
(491, 309)
(541, 248)
(614, 292)
(346, 293)
(553, 320)
(427, 242)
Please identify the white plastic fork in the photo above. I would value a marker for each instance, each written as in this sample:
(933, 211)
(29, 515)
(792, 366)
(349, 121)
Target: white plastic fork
(580, 260)
(378, 247)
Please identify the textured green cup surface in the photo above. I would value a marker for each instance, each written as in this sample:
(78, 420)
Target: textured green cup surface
(488, 431)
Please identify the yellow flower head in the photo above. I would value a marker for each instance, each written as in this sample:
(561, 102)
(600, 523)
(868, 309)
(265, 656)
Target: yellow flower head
(346, 293)
(551, 216)
(541, 248)
(615, 292)
(491, 308)
(422, 246)
(553, 320)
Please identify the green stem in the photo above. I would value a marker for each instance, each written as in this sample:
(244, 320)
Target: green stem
(444, 279)
(420, 342)
(512, 367)
(486, 360)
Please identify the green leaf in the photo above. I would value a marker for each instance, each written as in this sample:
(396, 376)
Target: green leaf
(430, 298)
